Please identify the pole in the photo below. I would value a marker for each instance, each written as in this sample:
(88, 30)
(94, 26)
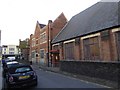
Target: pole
(48, 45)
(49, 41)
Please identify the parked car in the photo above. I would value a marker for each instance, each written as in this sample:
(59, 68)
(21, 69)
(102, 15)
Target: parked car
(9, 59)
(11, 64)
(20, 75)
(8, 65)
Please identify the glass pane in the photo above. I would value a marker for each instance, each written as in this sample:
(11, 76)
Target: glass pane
(23, 69)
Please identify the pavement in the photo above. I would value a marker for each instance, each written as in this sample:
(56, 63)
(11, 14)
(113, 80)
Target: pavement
(81, 77)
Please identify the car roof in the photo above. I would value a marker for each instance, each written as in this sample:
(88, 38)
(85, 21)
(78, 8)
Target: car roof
(20, 65)
(23, 65)
(11, 58)
(13, 62)
(8, 60)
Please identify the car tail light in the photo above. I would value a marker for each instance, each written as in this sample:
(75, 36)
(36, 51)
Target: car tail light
(10, 79)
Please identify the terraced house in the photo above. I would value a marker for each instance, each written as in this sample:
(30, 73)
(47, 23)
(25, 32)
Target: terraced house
(40, 47)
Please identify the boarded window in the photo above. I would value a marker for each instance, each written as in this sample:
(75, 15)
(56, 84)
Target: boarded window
(105, 35)
(69, 50)
(91, 49)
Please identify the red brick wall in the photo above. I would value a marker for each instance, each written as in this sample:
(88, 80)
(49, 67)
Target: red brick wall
(57, 25)
(54, 29)
(36, 35)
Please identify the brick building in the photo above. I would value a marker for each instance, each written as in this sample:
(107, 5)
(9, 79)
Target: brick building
(91, 35)
(35, 43)
(40, 47)
(24, 49)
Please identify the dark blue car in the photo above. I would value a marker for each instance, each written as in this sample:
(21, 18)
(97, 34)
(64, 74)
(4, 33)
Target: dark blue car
(20, 75)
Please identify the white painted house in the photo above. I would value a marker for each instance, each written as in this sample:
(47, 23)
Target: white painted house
(10, 49)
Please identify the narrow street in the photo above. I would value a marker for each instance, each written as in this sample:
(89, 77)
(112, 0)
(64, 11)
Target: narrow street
(47, 79)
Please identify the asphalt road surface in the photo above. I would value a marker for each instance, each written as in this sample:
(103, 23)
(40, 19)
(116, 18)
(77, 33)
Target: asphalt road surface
(47, 79)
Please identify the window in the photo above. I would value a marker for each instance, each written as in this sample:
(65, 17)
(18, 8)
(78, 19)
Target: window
(91, 49)
(11, 52)
(36, 41)
(11, 49)
(105, 35)
(42, 53)
(43, 37)
(23, 69)
(69, 50)
(20, 69)
(33, 42)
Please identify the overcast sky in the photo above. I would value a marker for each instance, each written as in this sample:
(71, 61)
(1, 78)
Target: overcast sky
(18, 17)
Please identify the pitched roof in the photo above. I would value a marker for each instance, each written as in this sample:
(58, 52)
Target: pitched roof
(100, 16)
(42, 25)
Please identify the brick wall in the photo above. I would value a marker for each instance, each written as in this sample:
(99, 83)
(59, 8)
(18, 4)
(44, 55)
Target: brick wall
(53, 28)
(58, 24)
(103, 70)
(107, 48)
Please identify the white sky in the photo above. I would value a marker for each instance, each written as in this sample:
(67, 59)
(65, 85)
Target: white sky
(18, 17)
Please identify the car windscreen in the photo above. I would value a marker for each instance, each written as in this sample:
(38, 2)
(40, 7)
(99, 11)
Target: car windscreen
(20, 69)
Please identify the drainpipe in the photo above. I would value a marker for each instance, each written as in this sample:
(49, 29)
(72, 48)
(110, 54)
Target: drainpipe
(49, 40)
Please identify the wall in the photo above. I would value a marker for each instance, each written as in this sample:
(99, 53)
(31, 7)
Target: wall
(103, 70)
(107, 46)
(10, 46)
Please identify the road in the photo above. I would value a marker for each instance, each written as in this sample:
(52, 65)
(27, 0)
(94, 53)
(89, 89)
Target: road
(47, 79)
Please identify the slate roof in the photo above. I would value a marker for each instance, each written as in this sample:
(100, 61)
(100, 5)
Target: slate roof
(42, 25)
(100, 16)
